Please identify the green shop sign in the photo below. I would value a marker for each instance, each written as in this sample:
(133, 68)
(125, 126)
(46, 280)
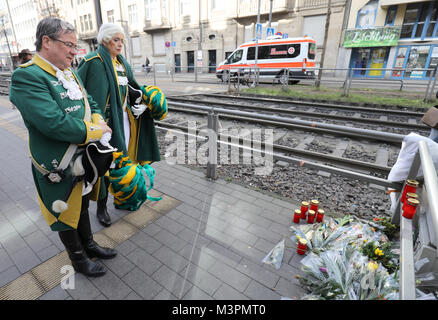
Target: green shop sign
(377, 37)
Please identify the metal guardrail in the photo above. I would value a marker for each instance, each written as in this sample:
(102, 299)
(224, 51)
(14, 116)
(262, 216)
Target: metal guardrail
(428, 216)
(5, 81)
(345, 77)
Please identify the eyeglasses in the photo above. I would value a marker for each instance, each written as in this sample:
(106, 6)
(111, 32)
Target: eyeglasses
(118, 39)
(68, 44)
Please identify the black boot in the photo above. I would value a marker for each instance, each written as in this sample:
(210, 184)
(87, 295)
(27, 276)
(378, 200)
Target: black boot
(90, 246)
(102, 213)
(79, 260)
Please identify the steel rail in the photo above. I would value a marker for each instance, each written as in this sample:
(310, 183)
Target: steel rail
(286, 125)
(312, 154)
(344, 130)
(322, 167)
(315, 104)
(376, 122)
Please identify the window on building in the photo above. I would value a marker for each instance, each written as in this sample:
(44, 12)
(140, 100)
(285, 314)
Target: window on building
(164, 8)
(81, 18)
(390, 16)
(417, 60)
(158, 42)
(136, 48)
(90, 22)
(249, 33)
(185, 7)
(420, 20)
(132, 13)
(367, 15)
(110, 15)
(431, 30)
(217, 4)
(314, 27)
(152, 9)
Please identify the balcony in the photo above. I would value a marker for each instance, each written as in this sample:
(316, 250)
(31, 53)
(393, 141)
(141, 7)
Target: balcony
(307, 4)
(249, 8)
(318, 4)
(156, 24)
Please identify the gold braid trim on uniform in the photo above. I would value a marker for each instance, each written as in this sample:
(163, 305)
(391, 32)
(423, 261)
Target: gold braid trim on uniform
(96, 118)
(94, 132)
(70, 216)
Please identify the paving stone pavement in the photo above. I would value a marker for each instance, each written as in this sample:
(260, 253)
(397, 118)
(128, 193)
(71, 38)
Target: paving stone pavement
(205, 240)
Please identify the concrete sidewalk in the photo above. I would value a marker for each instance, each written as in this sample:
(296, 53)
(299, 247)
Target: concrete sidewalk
(204, 240)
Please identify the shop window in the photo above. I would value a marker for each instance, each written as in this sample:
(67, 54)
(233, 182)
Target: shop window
(399, 61)
(420, 20)
(390, 17)
(432, 27)
(417, 60)
(367, 15)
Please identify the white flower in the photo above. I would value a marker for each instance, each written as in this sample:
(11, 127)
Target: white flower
(69, 83)
(123, 81)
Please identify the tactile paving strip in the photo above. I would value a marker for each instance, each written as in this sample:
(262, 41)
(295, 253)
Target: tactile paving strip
(47, 275)
(26, 287)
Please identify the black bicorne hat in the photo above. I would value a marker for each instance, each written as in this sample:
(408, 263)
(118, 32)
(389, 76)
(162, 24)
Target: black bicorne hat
(96, 160)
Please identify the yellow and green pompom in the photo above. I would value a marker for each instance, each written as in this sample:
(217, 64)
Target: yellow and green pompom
(127, 183)
(156, 101)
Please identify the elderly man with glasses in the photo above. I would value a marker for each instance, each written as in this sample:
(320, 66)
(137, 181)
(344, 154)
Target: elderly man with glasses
(61, 118)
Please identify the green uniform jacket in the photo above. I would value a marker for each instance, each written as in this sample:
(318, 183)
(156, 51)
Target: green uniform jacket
(54, 121)
(93, 70)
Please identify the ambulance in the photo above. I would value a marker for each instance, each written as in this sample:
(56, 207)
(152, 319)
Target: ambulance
(275, 56)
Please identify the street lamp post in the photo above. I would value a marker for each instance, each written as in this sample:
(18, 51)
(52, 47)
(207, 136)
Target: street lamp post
(324, 47)
(257, 43)
(7, 40)
(270, 13)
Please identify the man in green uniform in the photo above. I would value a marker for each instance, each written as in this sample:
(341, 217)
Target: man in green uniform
(60, 118)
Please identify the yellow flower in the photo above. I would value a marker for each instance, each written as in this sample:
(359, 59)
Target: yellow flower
(372, 266)
(378, 252)
(365, 240)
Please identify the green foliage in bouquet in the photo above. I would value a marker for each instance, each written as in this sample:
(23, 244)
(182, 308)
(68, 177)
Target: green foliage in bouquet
(390, 229)
(381, 253)
(346, 274)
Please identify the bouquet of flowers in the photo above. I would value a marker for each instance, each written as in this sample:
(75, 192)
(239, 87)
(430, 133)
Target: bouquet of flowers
(346, 275)
(381, 253)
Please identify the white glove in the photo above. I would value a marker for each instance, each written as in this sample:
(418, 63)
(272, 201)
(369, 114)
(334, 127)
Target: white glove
(138, 109)
(106, 137)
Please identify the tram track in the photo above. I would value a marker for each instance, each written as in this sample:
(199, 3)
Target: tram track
(343, 165)
(309, 150)
(356, 118)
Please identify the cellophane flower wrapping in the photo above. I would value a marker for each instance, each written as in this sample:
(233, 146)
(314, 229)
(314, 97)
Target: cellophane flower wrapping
(275, 256)
(337, 268)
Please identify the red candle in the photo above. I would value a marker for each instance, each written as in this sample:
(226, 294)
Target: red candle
(410, 187)
(297, 216)
(409, 195)
(302, 246)
(311, 216)
(314, 205)
(410, 208)
(320, 215)
(304, 207)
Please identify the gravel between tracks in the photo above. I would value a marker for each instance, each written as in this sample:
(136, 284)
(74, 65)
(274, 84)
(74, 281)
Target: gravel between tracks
(337, 195)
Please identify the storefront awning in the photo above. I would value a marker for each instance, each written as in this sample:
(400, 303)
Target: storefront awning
(386, 3)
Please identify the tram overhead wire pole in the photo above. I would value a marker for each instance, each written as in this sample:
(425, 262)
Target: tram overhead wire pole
(324, 47)
(257, 42)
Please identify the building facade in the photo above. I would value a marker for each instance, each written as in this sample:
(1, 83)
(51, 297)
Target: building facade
(401, 35)
(177, 35)
(181, 34)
